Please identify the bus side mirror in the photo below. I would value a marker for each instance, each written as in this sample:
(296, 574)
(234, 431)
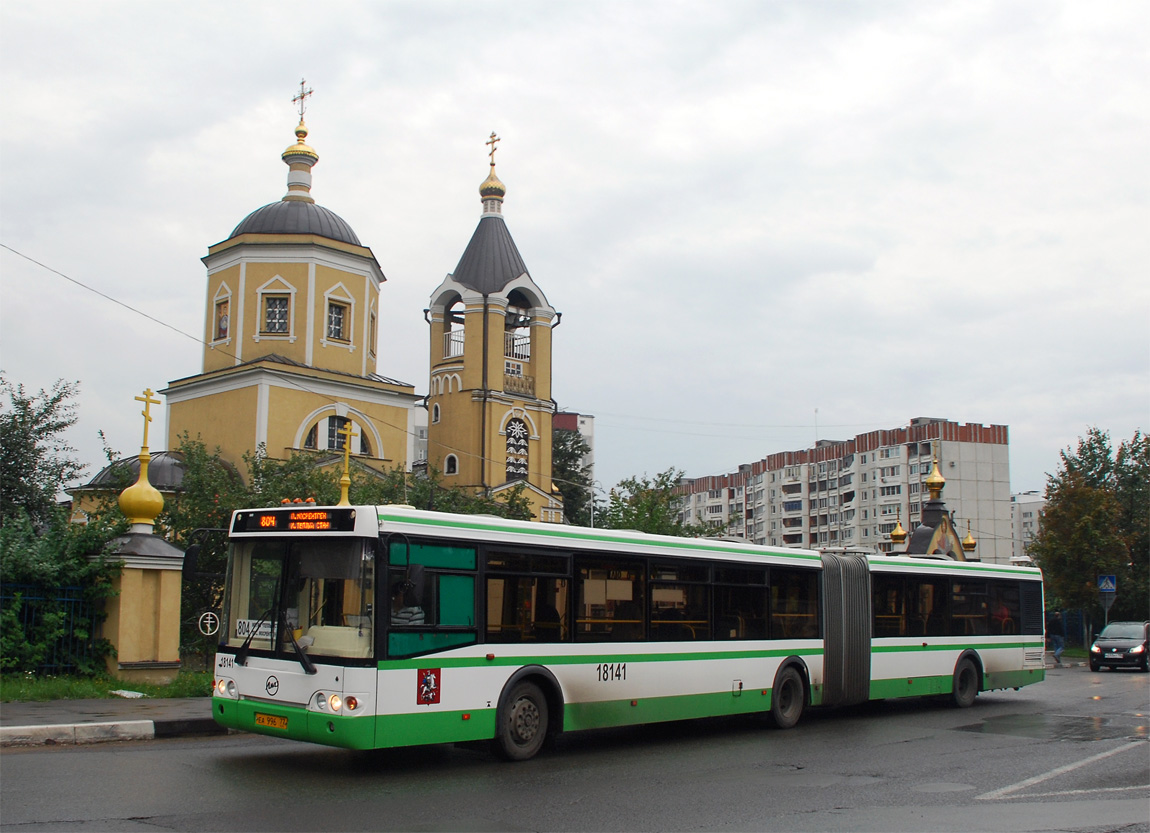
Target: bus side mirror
(191, 561)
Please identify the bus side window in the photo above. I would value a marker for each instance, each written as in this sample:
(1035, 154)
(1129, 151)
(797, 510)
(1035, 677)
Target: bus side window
(1005, 607)
(794, 604)
(969, 608)
(889, 605)
(927, 602)
(740, 603)
(611, 601)
(680, 609)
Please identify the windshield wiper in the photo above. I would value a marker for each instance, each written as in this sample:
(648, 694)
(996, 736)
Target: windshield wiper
(304, 659)
(242, 653)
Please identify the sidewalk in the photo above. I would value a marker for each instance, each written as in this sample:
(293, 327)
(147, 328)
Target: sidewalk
(94, 721)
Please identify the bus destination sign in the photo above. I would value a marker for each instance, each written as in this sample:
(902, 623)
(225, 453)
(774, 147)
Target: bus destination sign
(295, 519)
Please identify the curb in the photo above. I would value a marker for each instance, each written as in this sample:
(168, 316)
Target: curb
(83, 733)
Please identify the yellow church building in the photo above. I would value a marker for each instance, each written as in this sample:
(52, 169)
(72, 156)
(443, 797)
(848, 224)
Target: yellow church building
(293, 311)
(292, 324)
(490, 402)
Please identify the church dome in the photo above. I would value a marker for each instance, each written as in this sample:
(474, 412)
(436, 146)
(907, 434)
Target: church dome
(297, 212)
(297, 217)
(165, 472)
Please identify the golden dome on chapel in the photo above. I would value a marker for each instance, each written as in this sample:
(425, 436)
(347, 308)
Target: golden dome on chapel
(491, 188)
(935, 482)
(299, 148)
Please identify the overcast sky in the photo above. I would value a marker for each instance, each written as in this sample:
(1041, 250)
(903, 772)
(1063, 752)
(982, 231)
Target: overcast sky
(764, 223)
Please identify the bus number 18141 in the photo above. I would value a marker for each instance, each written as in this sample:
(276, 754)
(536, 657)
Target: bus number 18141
(609, 671)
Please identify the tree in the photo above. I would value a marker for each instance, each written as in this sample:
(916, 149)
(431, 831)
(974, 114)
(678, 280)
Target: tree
(299, 476)
(426, 491)
(568, 448)
(1079, 540)
(648, 505)
(35, 460)
(1097, 522)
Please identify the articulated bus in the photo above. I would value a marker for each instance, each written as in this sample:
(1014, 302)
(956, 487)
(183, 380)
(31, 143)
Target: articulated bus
(366, 627)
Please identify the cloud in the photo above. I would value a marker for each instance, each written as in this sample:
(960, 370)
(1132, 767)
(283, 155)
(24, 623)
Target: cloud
(745, 211)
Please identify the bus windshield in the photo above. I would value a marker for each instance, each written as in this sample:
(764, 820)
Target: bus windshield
(297, 596)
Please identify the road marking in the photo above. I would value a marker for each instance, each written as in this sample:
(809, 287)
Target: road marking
(1038, 779)
(1089, 792)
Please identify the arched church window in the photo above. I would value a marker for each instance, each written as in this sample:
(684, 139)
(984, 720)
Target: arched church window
(336, 424)
(435, 412)
(451, 464)
(453, 329)
(517, 435)
(312, 435)
(335, 439)
(517, 327)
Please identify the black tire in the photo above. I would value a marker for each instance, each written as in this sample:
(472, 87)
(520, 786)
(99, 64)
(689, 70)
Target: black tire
(521, 726)
(1095, 667)
(788, 698)
(965, 685)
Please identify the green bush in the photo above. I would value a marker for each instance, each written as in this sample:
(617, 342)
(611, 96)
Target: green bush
(49, 569)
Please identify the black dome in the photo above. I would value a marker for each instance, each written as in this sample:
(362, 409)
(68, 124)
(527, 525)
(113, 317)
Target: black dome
(165, 472)
(297, 217)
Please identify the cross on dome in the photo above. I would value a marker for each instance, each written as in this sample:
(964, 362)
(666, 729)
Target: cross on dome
(300, 98)
(147, 412)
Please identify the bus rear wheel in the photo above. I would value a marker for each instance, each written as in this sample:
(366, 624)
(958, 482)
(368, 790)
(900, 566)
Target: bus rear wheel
(965, 687)
(787, 698)
(522, 725)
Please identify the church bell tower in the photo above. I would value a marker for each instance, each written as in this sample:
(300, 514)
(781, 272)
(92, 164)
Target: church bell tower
(489, 404)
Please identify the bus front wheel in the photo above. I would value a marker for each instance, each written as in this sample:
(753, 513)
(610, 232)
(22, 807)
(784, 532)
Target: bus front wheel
(522, 726)
(965, 687)
(787, 698)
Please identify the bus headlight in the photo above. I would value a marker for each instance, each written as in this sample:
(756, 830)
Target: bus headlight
(227, 688)
(222, 687)
(335, 702)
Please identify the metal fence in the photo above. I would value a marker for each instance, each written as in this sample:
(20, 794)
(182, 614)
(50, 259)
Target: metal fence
(32, 604)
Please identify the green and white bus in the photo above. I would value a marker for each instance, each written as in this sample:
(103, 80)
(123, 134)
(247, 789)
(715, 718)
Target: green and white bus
(366, 627)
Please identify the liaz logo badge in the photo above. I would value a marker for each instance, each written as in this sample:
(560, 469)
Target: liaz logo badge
(428, 686)
(272, 686)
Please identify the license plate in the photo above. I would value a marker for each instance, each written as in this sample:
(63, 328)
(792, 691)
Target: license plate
(1114, 656)
(272, 721)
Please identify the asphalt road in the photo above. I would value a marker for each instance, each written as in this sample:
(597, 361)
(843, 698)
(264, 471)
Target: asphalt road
(1070, 754)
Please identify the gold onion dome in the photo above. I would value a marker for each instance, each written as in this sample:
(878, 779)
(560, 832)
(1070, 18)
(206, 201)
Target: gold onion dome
(491, 188)
(300, 148)
(968, 543)
(898, 534)
(142, 502)
(935, 481)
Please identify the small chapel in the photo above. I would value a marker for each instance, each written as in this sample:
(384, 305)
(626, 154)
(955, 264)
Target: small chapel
(293, 318)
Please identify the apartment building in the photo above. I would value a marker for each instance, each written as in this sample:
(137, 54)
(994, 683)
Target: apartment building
(852, 493)
(1025, 513)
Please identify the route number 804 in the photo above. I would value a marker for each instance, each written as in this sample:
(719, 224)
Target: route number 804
(610, 671)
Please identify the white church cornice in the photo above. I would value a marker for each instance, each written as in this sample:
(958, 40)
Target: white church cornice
(295, 253)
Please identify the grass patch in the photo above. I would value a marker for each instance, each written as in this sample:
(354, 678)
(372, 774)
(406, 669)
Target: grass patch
(36, 688)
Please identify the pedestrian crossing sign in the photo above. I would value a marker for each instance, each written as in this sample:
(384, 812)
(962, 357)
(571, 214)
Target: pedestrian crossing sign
(1107, 584)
